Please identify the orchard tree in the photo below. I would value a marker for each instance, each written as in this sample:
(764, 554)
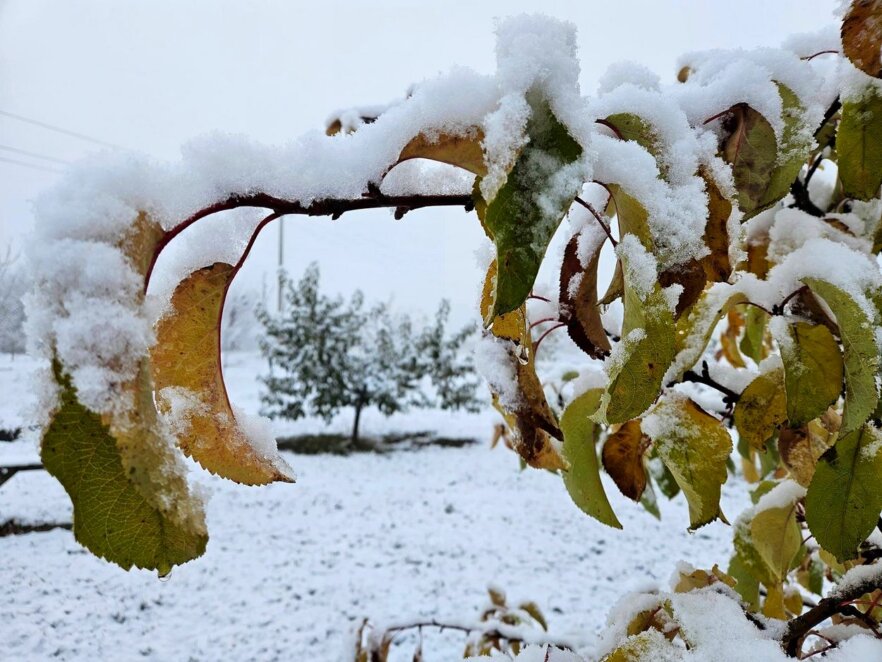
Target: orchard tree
(742, 202)
(325, 354)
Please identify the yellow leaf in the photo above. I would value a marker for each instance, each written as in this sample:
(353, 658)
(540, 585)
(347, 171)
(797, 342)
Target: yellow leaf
(463, 151)
(189, 381)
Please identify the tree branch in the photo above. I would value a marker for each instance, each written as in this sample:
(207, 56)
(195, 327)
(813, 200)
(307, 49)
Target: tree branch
(836, 603)
(333, 207)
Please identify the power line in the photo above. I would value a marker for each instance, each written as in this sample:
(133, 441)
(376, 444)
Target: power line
(35, 155)
(31, 165)
(58, 129)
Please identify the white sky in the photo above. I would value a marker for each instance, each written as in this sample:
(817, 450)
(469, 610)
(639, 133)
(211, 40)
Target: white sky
(152, 75)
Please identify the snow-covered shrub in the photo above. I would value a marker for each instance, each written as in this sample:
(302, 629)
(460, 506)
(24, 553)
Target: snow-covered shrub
(743, 205)
(325, 354)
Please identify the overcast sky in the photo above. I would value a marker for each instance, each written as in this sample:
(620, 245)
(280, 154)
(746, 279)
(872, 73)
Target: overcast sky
(151, 75)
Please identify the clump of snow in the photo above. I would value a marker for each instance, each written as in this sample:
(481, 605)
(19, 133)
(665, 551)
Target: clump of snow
(641, 267)
(494, 361)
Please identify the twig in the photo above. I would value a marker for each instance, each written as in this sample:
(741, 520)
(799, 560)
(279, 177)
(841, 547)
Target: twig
(542, 337)
(730, 397)
(334, 207)
(590, 207)
(798, 628)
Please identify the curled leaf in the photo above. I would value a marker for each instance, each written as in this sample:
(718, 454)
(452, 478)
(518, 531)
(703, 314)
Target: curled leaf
(578, 300)
(463, 151)
(189, 380)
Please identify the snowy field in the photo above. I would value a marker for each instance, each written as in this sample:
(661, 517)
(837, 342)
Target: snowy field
(290, 568)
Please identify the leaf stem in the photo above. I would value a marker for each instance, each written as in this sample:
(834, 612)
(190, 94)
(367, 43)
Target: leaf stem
(590, 207)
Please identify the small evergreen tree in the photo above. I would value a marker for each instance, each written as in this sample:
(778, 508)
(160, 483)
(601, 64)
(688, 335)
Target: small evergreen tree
(326, 354)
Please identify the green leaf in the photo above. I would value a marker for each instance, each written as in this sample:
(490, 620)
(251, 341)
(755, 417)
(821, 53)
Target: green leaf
(694, 446)
(112, 517)
(794, 148)
(860, 354)
(859, 145)
(776, 537)
(582, 480)
(761, 409)
(751, 148)
(747, 586)
(518, 218)
(812, 371)
(844, 498)
(752, 344)
(649, 501)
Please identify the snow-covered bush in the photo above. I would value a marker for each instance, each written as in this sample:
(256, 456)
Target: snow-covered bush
(742, 202)
(326, 354)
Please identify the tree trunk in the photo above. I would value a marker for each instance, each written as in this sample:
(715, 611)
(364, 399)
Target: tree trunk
(354, 437)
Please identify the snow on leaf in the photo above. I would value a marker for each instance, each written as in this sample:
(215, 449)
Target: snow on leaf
(812, 371)
(187, 373)
(859, 145)
(526, 211)
(582, 479)
(694, 446)
(777, 538)
(527, 411)
(761, 410)
(622, 457)
(862, 36)
(860, 353)
(844, 500)
(113, 517)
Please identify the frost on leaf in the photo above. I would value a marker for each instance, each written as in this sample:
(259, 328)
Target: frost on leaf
(859, 145)
(860, 353)
(694, 446)
(186, 362)
(582, 479)
(142, 522)
(844, 500)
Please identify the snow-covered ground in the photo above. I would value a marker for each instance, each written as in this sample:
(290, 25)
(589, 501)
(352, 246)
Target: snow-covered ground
(290, 568)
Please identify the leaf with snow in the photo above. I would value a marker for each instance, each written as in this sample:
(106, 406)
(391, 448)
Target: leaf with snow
(527, 412)
(694, 446)
(862, 36)
(622, 457)
(812, 371)
(860, 353)
(859, 145)
(582, 479)
(750, 147)
(120, 512)
(527, 210)
(776, 536)
(761, 409)
(186, 363)
(844, 500)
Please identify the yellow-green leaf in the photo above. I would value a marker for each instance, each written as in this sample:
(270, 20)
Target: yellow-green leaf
(582, 480)
(751, 148)
(859, 145)
(186, 360)
(844, 499)
(860, 354)
(762, 409)
(776, 537)
(694, 446)
(812, 371)
(461, 150)
(112, 516)
(518, 218)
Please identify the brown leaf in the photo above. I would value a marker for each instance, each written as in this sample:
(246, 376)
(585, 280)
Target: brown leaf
(716, 233)
(623, 459)
(691, 275)
(729, 339)
(186, 358)
(802, 447)
(579, 309)
(862, 36)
